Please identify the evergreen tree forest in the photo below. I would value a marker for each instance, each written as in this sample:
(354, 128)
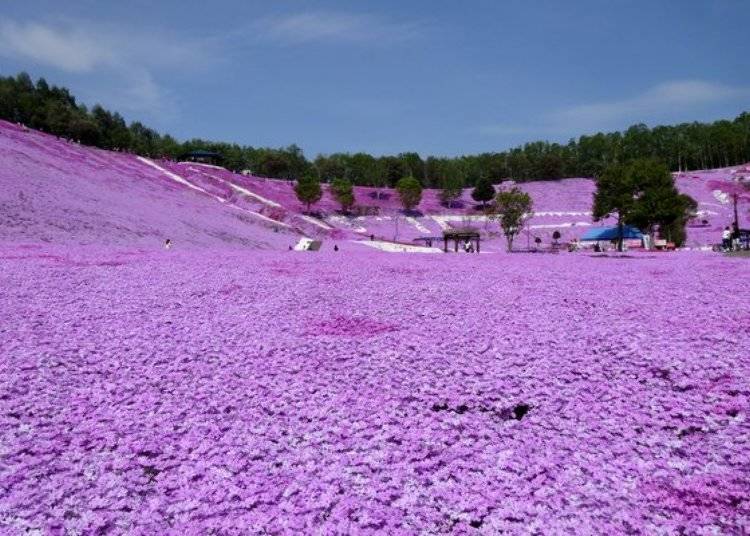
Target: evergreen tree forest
(687, 146)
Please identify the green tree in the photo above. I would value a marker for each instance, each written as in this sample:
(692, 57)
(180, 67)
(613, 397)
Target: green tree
(393, 169)
(484, 191)
(642, 193)
(616, 191)
(512, 208)
(330, 167)
(308, 190)
(360, 167)
(674, 228)
(271, 163)
(433, 167)
(680, 147)
(663, 206)
(409, 191)
(376, 177)
(451, 187)
(146, 141)
(550, 166)
(343, 192)
(413, 165)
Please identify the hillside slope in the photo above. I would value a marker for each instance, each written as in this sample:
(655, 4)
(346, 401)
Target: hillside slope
(59, 192)
(55, 191)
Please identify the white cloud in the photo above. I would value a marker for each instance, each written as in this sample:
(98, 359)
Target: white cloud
(336, 27)
(141, 93)
(662, 99)
(130, 60)
(81, 46)
(68, 49)
(669, 101)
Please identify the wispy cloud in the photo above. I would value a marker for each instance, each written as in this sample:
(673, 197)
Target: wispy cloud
(673, 96)
(334, 27)
(667, 101)
(82, 47)
(70, 50)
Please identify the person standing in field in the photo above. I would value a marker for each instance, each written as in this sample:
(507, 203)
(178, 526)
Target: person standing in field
(726, 239)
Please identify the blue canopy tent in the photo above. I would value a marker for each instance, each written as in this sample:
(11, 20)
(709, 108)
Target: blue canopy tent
(611, 233)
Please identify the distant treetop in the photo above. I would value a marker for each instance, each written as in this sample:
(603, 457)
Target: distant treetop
(682, 147)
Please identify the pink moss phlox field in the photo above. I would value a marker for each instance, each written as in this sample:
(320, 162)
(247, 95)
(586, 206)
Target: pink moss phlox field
(55, 191)
(197, 392)
(231, 386)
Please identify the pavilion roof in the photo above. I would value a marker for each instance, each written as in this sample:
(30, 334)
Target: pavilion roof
(461, 233)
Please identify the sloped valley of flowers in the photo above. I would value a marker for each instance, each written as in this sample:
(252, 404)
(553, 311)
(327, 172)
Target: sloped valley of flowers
(258, 392)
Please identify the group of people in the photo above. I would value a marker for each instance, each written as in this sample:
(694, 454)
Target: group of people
(730, 238)
(730, 241)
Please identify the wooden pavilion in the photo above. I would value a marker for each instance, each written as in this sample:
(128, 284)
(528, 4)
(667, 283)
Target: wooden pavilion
(461, 235)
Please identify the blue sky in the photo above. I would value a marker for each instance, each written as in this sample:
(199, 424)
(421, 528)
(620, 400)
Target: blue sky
(437, 77)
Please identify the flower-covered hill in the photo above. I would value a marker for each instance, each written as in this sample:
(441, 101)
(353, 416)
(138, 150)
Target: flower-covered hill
(59, 192)
(55, 191)
(562, 205)
(273, 392)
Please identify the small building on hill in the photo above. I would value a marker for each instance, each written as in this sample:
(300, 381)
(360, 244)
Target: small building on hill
(203, 157)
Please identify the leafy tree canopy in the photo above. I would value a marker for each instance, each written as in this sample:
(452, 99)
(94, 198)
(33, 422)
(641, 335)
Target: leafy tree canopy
(308, 190)
(343, 192)
(484, 191)
(680, 147)
(409, 191)
(451, 188)
(512, 207)
(642, 193)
